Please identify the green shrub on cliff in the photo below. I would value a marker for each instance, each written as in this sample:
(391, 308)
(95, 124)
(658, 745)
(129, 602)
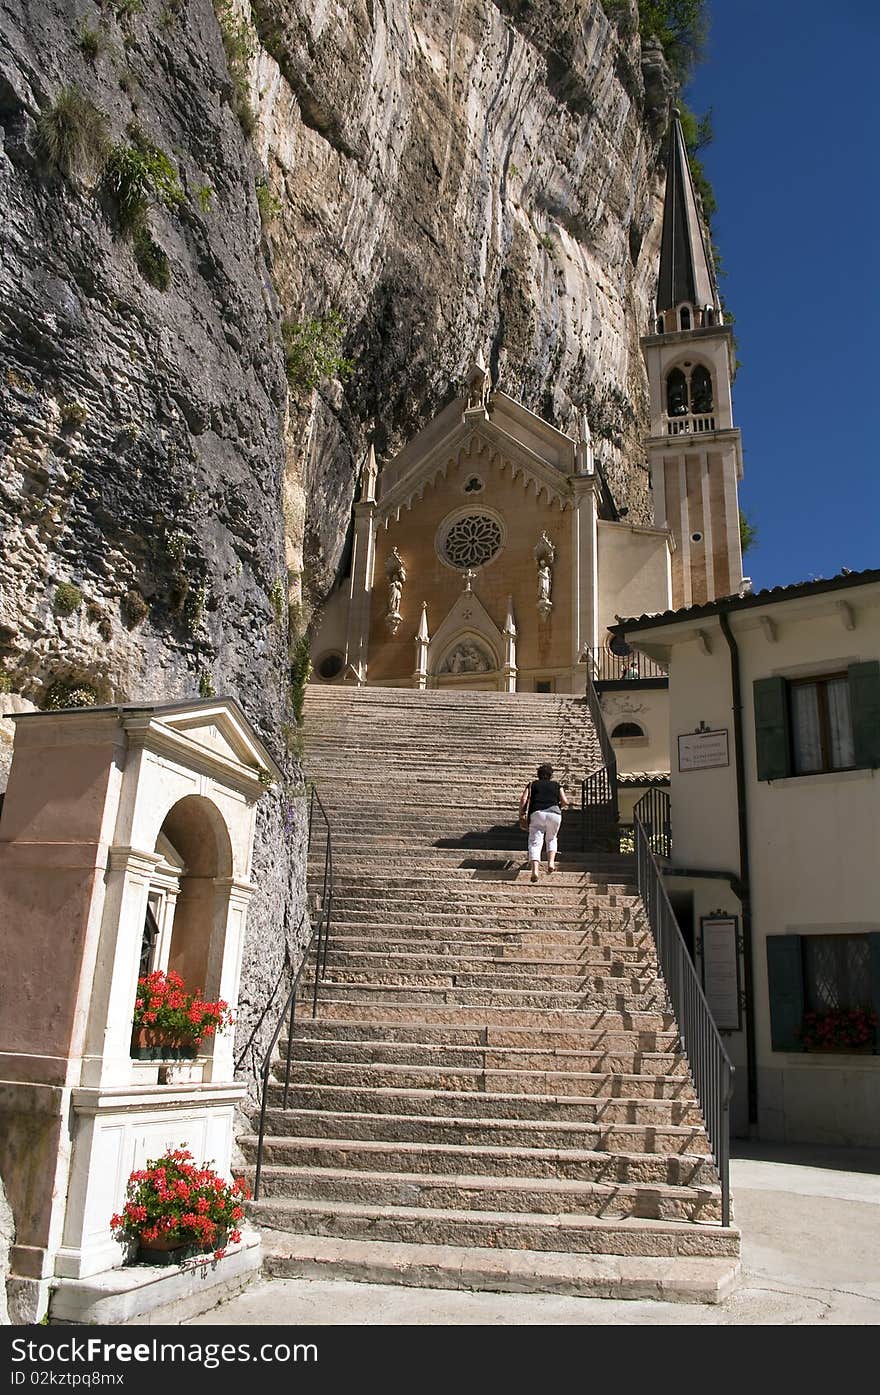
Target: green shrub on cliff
(300, 671)
(72, 134)
(137, 174)
(239, 45)
(312, 351)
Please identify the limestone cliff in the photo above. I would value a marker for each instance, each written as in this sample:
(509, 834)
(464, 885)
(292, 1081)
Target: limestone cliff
(449, 179)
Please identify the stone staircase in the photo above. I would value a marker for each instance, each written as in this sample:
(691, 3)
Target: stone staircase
(490, 1095)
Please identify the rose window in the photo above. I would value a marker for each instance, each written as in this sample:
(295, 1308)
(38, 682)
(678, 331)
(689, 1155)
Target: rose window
(472, 541)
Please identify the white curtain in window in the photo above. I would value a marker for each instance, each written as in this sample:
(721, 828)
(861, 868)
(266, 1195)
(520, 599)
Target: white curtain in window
(839, 720)
(807, 736)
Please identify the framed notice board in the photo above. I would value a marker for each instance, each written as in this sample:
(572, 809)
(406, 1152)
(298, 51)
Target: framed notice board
(721, 974)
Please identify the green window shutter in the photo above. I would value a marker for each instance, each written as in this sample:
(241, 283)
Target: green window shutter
(864, 700)
(785, 974)
(874, 942)
(771, 728)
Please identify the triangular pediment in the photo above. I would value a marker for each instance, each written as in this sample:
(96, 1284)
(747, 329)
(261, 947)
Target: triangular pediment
(505, 435)
(468, 626)
(218, 727)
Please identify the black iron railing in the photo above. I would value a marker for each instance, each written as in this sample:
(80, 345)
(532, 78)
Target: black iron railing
(710, 1065)
(599, 790)
(319, 942)
(653, 812)
(606, 667)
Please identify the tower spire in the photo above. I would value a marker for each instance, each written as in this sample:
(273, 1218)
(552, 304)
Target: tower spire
(685, 276)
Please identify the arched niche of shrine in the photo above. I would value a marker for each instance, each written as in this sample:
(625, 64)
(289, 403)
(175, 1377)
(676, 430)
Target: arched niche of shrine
(186, 904)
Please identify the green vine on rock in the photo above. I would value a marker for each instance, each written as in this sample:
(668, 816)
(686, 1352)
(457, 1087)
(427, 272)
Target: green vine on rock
(312, 351)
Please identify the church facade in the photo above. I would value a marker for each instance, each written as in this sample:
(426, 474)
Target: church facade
(489, 554)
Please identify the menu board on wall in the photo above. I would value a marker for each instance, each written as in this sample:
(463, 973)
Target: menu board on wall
(720, 961)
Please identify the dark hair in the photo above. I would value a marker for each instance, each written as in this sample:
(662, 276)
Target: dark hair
(545, 772)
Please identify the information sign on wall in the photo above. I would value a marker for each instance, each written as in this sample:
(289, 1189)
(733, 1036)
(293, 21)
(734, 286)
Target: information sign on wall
(701, 750)
(720, 961)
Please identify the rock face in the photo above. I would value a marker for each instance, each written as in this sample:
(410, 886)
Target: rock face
(142, 429)
(454, 179)
(451, 179)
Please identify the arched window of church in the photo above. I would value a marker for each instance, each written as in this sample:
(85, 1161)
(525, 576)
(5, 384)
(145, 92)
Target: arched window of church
(661, 327)
(701, 389)
(685, 317)
(709, 317)
(676, 393)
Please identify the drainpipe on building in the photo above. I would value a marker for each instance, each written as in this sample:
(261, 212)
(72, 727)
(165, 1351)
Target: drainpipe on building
(745, 893)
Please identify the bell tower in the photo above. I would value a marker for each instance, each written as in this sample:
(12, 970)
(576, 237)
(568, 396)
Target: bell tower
(694, 449)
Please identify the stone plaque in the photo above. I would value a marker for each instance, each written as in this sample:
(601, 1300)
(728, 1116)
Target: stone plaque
(720, 961)
(701, 750)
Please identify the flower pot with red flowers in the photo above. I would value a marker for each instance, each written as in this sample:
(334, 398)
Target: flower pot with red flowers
(175, 1209)
(844, 1030)
(170, 1022)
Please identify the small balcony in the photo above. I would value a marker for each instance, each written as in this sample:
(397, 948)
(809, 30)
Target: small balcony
(689, 423)
(633, 667)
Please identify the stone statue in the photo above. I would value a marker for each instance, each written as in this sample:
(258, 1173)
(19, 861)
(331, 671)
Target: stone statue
(545, 577)
(467, 657)
(396, 573)
(545, 556)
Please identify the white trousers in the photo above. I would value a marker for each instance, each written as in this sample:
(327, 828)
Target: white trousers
(543, 824)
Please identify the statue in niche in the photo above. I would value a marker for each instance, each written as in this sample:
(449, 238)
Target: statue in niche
(545, 556)
(545, 578)
(467, 657)
(396, 573)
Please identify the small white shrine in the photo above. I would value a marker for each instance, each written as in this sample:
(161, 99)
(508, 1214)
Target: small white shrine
(126, 839)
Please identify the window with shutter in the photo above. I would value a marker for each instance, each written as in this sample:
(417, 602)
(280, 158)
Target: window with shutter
(864, 691)
(771, 728)
(808, 726)
(785, 978)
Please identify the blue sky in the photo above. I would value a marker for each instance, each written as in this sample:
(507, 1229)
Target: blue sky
(795, 164)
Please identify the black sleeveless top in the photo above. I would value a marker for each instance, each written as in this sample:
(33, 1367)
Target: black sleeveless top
(545, 795)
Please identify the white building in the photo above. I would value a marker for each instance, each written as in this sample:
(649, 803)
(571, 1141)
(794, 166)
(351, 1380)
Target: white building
(774, 704)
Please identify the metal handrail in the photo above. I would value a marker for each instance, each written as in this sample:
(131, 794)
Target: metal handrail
(710, 1065)
(320, 939)
(653, 809)
(599, 787)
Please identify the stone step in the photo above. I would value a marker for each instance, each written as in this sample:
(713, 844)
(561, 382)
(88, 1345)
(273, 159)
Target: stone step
(532, 1196)
(364, 1099)
(391, 994)
(613, 1037)
(511, 944)
(613, 917)
(504, 979)
(576, 1165)
(367, 1051)
(529, 1134)
(494, 1017)
(572, 1234)
(668, 1279)
(483, 970)
(669, 1081)
(508, 959)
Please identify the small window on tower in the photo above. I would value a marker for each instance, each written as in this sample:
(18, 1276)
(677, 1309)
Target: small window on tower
(676, 393)
(685, 317)
(701, 389)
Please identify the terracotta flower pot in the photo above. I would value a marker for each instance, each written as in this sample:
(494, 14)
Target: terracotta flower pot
(150, 1044)
(165, 1249)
